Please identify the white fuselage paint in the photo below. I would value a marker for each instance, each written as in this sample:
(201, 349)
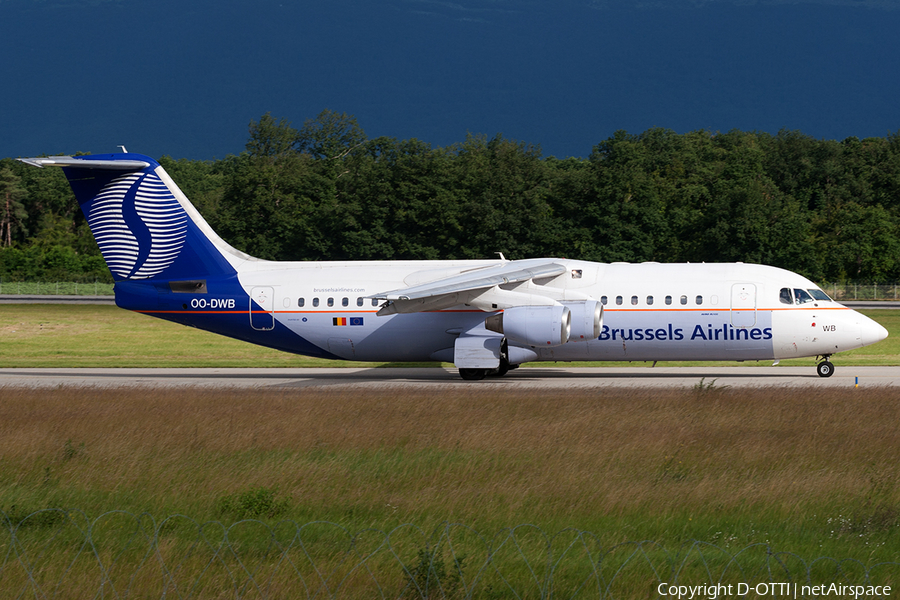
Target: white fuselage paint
(714, 311)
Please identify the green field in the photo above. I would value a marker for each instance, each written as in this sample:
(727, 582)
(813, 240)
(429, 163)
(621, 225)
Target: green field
(35, 335)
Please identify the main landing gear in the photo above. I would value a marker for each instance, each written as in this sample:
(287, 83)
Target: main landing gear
(479, 374)
(825, 368)
(474, 374)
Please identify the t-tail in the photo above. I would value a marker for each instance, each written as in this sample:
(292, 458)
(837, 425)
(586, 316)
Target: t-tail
(165, 259)
(152, 238)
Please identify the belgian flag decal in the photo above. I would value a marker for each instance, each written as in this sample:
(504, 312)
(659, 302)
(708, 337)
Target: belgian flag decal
(344, 321)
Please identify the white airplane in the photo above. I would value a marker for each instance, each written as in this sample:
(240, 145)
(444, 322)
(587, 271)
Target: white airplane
(485, 316)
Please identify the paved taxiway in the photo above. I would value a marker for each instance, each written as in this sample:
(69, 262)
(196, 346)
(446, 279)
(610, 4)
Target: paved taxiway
(435, 378)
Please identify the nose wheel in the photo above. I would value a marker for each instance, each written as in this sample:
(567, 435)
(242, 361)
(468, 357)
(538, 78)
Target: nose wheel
(825, 368)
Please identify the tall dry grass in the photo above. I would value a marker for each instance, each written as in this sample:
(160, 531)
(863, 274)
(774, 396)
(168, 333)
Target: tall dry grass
(787, 466)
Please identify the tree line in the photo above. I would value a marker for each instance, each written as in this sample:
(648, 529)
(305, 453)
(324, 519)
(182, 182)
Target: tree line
(827, 209)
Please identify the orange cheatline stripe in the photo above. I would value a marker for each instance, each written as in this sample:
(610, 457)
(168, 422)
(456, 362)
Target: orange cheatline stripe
(193, 312)
(323, 312)
(718, 309)
(605, 309)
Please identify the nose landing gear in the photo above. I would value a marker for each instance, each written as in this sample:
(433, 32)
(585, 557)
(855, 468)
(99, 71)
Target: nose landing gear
(825, 368)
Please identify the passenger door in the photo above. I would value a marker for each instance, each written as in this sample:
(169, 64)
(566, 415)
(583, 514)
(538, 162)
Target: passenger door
(262, 320)
(743, 305)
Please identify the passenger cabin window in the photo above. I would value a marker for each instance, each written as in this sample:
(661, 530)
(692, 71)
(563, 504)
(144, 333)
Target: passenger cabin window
(699, 300)
(345, 302)
(668, 299)
(802, 297)
(785, 297)
(634, 301)
(619, 300)
(649, 300)
(684, 299)
(359, 301)
(331, 302)
(374, 301)
(315, 301)
(603, 300)
(301, 302)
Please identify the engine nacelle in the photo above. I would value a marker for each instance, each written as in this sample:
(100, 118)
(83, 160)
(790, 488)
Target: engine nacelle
(533, 325)
(587, 320)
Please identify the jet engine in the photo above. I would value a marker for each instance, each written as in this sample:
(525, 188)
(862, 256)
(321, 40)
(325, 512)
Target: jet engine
(587, 320)
(533, 325)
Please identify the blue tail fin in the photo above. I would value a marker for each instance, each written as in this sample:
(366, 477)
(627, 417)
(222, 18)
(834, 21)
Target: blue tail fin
(145, 226)
(166, 260)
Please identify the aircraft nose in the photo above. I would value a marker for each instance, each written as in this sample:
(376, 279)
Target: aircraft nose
(870, 331)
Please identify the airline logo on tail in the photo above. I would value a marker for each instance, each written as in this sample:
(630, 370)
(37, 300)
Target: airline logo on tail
(138, 224)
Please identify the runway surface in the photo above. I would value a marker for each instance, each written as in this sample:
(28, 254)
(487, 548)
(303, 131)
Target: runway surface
(425, 379)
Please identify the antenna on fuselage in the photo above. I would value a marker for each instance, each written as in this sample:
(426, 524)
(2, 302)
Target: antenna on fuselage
(124, 151)
(503, 258)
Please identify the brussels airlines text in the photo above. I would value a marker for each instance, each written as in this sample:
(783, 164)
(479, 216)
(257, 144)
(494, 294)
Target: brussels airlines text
(670, 332)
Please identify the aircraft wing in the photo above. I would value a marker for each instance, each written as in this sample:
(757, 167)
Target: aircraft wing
(456, 289)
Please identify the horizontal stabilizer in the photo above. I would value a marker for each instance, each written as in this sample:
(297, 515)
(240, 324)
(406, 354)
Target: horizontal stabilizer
(81, 163)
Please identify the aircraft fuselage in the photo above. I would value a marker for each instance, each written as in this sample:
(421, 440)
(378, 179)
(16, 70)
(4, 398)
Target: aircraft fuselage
(652, 312)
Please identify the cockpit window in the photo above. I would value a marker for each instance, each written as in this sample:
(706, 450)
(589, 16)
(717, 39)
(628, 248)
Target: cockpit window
(785, 296)
(802, 297)
(819, 295)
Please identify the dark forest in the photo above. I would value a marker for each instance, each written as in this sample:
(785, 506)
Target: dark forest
(827, 209)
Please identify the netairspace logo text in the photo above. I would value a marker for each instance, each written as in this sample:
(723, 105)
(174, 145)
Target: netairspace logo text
(774, 590)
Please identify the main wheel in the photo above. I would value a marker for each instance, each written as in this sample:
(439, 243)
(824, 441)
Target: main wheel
(503, 369)
(473, 374)
(825, 369)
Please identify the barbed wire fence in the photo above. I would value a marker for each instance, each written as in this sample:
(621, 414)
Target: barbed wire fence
(56, 553)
